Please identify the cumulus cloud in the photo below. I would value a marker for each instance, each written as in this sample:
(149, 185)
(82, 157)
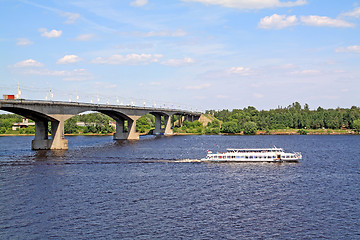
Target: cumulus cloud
(354, 13)
(323, 21)
(50, 34)
(178, 62)
(132, 59)
(239, 70)
(85, 37)
(139, 3)
(28, 63)
(23, 42)
(277, 21)
(349, 49)
(69, 59)
(250, 4)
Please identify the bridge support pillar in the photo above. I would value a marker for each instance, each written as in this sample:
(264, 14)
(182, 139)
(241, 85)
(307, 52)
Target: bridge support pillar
(167, 130)
(57, 141)
(41, 140)
(157, 130)
(131, 134)
(167, 121)
(181, 121)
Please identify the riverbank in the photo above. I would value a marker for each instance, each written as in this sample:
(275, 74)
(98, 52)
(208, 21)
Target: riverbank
(269, 132)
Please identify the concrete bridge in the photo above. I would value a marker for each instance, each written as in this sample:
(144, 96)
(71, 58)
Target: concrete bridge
(43, 112)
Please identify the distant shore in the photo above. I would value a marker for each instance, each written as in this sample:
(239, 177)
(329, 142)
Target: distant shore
(287, 132)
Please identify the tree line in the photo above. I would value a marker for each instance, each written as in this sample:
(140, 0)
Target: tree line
(293, 116)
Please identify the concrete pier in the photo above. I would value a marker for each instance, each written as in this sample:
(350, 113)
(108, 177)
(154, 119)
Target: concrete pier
(167, 122)
(131, 133)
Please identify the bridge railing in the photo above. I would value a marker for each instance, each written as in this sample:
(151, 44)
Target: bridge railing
(127, 106)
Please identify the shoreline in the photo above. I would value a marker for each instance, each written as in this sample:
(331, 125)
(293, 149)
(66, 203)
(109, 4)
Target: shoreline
(262, 133)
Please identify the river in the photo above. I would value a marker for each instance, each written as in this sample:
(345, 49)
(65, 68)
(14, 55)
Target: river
(103, 189)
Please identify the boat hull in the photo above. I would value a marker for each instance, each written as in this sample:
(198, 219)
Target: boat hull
(248, 161)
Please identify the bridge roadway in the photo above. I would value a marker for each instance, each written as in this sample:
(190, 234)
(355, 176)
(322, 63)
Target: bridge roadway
(56, 112)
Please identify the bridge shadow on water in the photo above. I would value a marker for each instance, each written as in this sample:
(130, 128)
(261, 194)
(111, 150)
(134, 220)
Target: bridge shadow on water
(103, 149)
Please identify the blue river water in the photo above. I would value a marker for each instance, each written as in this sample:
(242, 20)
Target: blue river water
(105, 189)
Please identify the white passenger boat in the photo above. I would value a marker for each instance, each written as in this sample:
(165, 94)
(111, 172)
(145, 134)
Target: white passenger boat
(253, 155)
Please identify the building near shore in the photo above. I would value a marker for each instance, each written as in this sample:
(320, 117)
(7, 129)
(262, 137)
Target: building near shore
(24, 124)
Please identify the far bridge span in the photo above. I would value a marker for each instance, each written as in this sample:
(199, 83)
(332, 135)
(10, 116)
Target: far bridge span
(43, 112)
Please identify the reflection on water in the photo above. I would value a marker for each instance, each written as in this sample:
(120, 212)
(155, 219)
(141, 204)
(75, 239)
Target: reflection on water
(43, 155)
(155, 188)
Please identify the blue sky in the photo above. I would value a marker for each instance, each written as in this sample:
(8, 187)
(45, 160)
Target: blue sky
(199, 54)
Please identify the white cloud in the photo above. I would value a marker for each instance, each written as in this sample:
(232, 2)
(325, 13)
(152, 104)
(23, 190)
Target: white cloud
(250, 4)
(85, 37)
(28, 63)
(322, 21)
(349, 49)
(71, 17)
(277, 21)
(132, 59)
(239, 70)
(23, 42)
(74, 75)
(50, 34)
(69, 59)
(355, 13)
(198, 87)
(178, 62)
(139, 3)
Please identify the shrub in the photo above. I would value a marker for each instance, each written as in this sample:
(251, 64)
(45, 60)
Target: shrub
(2, 130)
(302, 131)
(30, 130)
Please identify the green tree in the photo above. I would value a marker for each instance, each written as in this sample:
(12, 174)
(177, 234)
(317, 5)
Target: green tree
(356, 125)
(70, 126)
(230, 127)
(250, 128)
